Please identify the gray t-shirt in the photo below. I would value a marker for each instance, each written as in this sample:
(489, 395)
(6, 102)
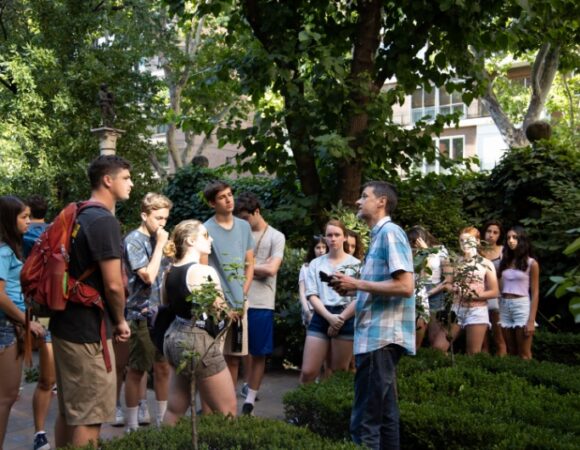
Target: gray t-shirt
(262, 294)
(230, 247)
(138, 250)
(314, 286)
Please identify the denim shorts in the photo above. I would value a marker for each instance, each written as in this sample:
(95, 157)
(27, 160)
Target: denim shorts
(319, 325)
(514, 312)
(7, 334)
(493, 304)
(476, 315)
(437, 302)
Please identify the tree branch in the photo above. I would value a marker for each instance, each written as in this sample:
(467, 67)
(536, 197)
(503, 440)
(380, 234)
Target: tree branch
(157, 166)
(543, 72)
(10, 86)
(513, 136)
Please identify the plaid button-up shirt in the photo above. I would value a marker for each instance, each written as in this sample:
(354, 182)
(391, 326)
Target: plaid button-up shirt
(381, 320)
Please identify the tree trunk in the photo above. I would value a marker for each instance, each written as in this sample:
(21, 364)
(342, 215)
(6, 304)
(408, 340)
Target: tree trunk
(542, 77)
(367, 41)
(543, 73)
(296, 124)
(301, 144)
(514, 137)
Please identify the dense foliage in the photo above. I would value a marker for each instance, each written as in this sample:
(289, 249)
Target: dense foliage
(481, 402)
(50, 73)
(218, 432)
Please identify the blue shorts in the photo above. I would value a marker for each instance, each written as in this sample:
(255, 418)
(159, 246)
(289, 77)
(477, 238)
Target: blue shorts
(260, 331)
(319, 325)
(7, 334)
(437, 302)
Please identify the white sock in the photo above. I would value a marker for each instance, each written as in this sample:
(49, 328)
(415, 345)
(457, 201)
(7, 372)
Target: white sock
(131, 418)
(251, 398)
(39, 432)
(161, 408)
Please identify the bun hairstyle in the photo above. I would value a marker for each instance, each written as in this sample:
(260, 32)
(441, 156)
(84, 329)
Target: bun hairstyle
(176, 246)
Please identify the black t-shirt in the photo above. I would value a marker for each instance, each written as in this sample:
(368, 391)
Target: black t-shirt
(98, 239)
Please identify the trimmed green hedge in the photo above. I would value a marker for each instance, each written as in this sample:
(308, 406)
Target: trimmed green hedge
(220, 433)
(481, 402)
(557, 347)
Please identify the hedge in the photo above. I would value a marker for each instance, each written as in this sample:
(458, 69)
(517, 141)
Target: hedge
(557, 347)
(480, 402)
(220, 433)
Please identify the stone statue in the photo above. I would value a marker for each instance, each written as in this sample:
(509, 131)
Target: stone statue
(106, 99)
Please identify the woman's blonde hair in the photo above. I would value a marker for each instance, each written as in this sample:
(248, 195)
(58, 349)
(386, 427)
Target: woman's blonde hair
(175, 247)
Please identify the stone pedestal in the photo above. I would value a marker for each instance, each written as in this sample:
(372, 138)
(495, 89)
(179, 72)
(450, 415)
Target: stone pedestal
(107, 139)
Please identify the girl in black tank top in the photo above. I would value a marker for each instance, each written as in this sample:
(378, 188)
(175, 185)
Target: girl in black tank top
(185, 340)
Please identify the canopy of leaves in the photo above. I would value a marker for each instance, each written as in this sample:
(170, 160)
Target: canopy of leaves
(53, 57)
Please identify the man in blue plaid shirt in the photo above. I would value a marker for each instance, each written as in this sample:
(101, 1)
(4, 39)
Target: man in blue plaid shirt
(384, 320)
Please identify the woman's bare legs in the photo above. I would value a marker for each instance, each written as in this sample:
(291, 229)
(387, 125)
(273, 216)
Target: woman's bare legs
(315, 350)
(10, 376)
(496, 331)
(217, 391)
(341, 353)
(43, 392)
(475, 334)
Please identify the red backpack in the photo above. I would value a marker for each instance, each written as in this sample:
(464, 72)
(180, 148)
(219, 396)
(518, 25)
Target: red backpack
(46, 284)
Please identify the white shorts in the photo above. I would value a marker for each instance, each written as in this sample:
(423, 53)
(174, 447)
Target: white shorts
(492, 304)
(476, 315)
(514, 312)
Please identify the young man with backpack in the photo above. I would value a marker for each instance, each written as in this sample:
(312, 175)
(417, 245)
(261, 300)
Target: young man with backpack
(145, 263)
(85, 377)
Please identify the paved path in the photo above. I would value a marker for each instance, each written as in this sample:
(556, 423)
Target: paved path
(21, 426)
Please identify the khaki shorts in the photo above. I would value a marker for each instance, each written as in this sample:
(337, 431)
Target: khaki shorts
(184, 344)
(227, 348)
(86, 391)
(142, 351)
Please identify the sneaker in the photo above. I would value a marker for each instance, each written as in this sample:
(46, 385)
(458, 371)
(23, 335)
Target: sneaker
(244, 391)
(41, 442)
(143, 415)
(119, 417)
(247, 409)
(131, 430)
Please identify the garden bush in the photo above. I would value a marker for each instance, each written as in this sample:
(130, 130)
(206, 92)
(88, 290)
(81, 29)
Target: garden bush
(289, 332)
(557, 347)
(219, 433)
(480, 402)
(282, 205)
(438, 202)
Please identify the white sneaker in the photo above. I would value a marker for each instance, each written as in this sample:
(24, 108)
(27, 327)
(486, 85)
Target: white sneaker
(119, 417)
(143, 415)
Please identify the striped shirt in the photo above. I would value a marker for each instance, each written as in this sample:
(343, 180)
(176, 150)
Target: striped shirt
(382, 320)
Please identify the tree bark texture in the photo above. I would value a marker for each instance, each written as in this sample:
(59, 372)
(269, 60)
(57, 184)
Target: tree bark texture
(296, 124)
(366, 43)
(542, 76)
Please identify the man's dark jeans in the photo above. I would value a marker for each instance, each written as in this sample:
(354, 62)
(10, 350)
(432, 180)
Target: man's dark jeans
(374, 421)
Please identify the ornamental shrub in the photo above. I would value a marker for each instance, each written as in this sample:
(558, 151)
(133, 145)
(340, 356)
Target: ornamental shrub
(480, 402)
(218, 432)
